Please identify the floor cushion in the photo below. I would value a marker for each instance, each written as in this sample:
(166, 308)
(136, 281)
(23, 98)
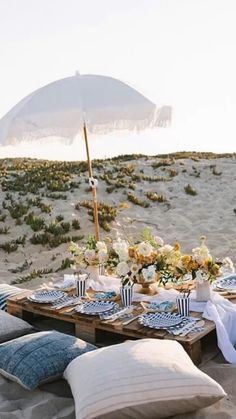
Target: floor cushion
(148, 378)
(36, 358)
(12, 327)
(7, 291)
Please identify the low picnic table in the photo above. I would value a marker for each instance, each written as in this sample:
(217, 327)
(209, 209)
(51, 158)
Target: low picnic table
(200, 346)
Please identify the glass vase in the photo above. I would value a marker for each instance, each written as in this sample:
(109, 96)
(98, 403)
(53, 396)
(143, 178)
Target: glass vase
(203, 291)
(93, 272)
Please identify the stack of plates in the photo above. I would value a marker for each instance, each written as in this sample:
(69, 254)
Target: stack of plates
(46, 297)
(94, 308)
(226, 284)
(160, 320)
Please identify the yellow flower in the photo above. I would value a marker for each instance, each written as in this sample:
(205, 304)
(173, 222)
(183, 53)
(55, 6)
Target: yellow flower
(185, 260)
(177, 246)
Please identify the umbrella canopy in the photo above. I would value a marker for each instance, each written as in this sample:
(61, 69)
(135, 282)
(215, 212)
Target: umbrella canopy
(62, 108)
(94, 103)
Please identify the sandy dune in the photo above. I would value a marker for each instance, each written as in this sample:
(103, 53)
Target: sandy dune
(182, 217)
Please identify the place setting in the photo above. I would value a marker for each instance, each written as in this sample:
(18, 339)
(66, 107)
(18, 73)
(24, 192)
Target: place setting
(226, 284)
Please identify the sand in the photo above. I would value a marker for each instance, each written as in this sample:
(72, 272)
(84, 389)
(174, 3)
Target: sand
(182, 218)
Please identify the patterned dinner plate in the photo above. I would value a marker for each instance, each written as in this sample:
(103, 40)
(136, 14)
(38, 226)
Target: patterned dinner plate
(45, 297)
(96, 307)
(228, 283)
(160, 320)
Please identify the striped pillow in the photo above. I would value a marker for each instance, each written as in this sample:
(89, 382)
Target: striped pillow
(7, 291)
(149, 378)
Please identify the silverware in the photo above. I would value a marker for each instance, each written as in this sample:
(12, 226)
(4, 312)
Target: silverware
(67, 303)
(71, 308)
(115, 316)
(131, 320)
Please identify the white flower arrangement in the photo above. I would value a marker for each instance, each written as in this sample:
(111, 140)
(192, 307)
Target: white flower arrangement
(92, 254)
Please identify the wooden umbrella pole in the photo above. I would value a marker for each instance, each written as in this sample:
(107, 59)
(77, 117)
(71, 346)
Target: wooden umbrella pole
(94, 190)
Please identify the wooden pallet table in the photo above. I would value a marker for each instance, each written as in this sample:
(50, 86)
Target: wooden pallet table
(93, 330)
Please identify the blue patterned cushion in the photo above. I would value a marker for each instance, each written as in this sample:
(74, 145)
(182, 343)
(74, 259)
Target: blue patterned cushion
(36, 358)
(7, 291)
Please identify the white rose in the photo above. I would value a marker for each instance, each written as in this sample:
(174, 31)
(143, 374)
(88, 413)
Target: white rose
(101, 246)
(89, 255)
(201, 253)
(166, 249)
(135, 268)
(159, 241)
(145, 249)
(122, 269)
(122, 250)
(102, 256)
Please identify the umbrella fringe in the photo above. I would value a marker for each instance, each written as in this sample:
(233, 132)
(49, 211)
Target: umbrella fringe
(161, 117)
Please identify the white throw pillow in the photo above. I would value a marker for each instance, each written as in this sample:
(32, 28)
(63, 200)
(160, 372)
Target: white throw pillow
(148, 378)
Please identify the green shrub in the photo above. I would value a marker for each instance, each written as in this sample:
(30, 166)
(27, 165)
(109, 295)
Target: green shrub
(155, 197)
(189, 190)
(59, 218)
(9, 247)
(3, 218)
(36, 273)
(75, 224)
(137, 201)
(4, 230)
(65, 264)
(36, 223)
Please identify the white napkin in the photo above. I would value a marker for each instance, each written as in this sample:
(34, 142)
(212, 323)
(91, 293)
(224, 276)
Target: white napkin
(223, 313)
(105, 283)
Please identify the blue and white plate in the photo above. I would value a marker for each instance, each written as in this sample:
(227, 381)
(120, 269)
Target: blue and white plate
(160, 320)
(45, 296)
(94, 308)
(228, 283)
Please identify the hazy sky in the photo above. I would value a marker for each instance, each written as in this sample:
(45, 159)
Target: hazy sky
(177, 52)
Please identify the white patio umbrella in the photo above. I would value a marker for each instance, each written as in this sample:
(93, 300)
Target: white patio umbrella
(81, 103)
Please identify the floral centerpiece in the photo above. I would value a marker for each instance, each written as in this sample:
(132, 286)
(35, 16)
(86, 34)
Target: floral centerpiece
(202, 267)
(200, 264)
(91, 256)
(142, 262)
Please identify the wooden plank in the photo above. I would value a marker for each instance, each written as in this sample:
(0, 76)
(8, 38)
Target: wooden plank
(194, 351)
(14, 310)
(85, 331)
(88, 327)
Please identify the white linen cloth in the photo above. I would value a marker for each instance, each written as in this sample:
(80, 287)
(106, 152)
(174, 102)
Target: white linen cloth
(223, 313)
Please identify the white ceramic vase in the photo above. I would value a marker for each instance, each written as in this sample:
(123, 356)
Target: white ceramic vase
(203, 291)
(93, 272)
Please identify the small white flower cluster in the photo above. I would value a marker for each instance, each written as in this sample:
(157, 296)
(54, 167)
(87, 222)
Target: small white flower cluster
(145, 249)
(93, 257)
(201, 253)
(98, 255)
(129, 266)
(121, 247)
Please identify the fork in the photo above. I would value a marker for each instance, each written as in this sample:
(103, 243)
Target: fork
(69, 302)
